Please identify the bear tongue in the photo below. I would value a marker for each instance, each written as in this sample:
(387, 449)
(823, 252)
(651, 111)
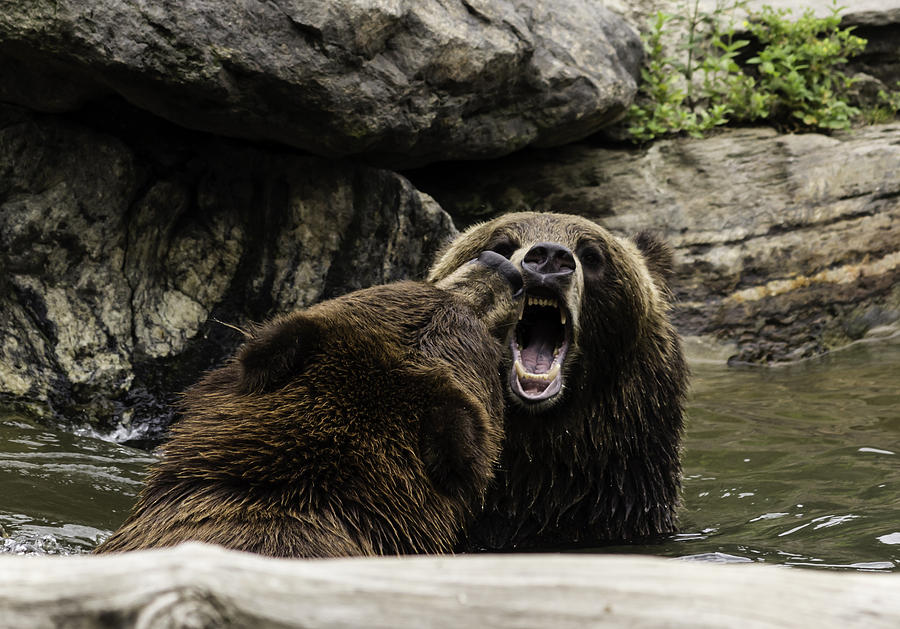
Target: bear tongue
(538, 356)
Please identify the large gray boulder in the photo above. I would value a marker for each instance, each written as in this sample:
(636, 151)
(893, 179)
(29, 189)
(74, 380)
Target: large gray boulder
(786, 245)
(403, 82)
(119, 255)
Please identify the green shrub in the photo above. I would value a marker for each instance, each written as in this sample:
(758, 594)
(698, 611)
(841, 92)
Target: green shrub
(794, 80)
(667, 102)
(799, 62)
(885, 109)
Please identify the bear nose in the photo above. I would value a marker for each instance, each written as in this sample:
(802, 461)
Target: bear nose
(548, 262)
(505, 268)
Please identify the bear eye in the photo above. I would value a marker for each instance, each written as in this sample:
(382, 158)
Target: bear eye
(505, 247)
(591, 257)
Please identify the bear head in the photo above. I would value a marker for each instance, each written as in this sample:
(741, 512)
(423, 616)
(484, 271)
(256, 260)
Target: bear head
(595, 382)
(365, 424)
(586, 291)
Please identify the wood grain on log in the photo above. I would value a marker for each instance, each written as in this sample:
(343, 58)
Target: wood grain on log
(194, 585)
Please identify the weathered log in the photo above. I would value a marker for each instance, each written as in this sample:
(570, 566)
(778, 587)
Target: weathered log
(194, 585)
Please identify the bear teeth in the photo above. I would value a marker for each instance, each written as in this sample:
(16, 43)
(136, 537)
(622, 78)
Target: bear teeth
(546, 302)
(542, 301)
(527, 375)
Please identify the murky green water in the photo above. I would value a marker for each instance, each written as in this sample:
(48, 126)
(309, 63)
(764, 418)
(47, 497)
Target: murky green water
(795, 465)
(59, 492)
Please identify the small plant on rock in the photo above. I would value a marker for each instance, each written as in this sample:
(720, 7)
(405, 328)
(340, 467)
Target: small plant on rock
(799, 63)
(793, 80)
(669, 101)
(885, 109)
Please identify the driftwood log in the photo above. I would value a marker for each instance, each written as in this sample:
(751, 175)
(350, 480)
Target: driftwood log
(196, 586)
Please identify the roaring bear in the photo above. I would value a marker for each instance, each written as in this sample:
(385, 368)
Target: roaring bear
(368, 424)
(596, 382)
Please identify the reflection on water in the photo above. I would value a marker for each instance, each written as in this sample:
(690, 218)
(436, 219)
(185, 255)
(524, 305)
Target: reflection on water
(795, 465)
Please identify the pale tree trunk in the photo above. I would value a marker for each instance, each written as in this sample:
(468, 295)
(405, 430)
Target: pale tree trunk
(195, 586)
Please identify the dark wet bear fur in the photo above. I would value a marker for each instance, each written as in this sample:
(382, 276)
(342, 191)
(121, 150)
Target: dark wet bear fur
(368, 424)
(599, 460)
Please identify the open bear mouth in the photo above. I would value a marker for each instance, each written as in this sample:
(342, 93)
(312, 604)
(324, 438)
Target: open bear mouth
(539, 347)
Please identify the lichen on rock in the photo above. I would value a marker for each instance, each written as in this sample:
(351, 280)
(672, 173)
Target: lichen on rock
(122, 255)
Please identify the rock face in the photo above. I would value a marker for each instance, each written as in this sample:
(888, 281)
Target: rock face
(401, 82)
(126, 231)
(120, 250)
(787, 245)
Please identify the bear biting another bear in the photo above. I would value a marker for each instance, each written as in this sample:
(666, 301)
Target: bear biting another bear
(376, 423)
(367, 424)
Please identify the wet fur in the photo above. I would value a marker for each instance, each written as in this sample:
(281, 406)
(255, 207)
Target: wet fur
(600, 462)
(364, 425)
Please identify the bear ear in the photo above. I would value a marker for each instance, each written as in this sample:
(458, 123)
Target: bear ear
(657, 254)
(454, 436)
(276, 353)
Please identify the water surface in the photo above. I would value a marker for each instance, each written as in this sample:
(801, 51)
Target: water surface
(61, 492)
(795, 465)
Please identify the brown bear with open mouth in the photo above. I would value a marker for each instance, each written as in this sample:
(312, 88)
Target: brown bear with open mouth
(368, 424)
(596, 382)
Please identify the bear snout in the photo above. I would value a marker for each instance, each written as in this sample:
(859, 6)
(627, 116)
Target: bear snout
(505, 268)
(548, 264)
